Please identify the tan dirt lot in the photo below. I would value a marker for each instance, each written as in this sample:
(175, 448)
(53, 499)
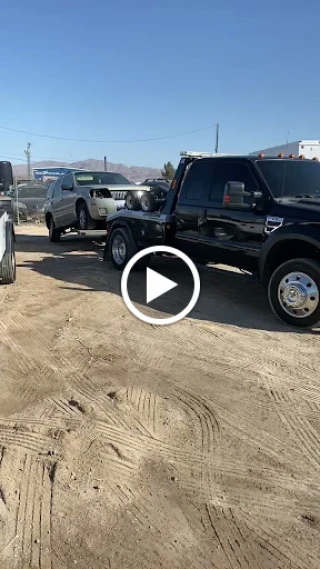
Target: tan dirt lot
(126, 446)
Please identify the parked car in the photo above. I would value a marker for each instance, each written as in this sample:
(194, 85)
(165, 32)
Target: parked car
(81, 200)
(30, 202)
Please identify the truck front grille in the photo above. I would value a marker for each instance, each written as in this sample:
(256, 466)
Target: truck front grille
(119, 195)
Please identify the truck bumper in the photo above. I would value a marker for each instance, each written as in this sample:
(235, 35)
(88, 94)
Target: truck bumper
(100, 208)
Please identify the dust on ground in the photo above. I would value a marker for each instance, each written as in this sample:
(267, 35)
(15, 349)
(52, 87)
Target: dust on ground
(124, 445)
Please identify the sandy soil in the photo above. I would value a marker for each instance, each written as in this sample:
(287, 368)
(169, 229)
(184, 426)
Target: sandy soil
(124, 445)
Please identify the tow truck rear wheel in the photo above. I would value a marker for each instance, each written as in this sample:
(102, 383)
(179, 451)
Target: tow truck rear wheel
(122, 248)
(294, 292)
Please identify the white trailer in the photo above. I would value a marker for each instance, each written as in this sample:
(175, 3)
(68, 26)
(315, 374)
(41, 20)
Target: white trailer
(307, 148)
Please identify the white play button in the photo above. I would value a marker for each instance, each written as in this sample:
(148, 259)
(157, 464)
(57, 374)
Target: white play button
(157, 285)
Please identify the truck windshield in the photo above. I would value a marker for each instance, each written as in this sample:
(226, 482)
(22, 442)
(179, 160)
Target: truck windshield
(291, 177)
(105, 178)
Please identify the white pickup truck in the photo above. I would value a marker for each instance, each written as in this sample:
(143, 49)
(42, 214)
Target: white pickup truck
(7, 250)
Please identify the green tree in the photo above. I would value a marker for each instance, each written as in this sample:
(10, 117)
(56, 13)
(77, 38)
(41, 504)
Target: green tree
(168, 171)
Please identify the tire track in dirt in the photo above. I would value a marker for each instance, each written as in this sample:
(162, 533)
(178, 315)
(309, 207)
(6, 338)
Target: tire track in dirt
(269, 362)
(102, 401)
(210, 438)
(30, 514)
(283, 553)
(266, 441)
(299, 429)
(34, 442)
(142, 509)
(145, 403)
(234, 550)
(143, 444)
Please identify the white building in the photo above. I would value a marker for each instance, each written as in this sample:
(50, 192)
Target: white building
(308, 148)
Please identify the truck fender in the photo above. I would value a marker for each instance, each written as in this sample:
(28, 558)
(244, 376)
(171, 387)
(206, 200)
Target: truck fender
(119, 224)
(303, 234)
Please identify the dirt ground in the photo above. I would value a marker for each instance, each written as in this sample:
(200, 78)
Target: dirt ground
(124, 445)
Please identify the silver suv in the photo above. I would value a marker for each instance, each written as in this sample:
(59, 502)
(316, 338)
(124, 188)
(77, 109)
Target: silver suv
(82, 200)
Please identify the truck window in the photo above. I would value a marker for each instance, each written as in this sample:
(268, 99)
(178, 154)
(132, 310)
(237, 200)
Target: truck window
(68, 180)
(198, 182)
(291, 177)
(229, 171)
(57, 188)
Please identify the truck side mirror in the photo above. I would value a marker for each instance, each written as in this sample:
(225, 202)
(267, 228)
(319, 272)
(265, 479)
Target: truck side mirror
(234, 194)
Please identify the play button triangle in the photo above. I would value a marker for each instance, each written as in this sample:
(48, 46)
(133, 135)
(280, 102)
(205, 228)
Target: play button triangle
(157, 285)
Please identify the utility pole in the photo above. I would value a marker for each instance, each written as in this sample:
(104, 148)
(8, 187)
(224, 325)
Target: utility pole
(105, 163)
(217, 138)
(28, 155)
(17, 198)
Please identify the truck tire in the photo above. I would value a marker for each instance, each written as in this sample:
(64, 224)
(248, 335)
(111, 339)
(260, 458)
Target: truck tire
(147, 202)
(8, 267)
(132, 201)
(294, 292)
(54, 233)
(122, 248)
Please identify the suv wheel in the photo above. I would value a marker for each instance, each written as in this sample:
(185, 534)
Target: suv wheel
(294, 292)
(54, 233)
(122, 248)
(132, 201)
(147, 202)
(83, 217)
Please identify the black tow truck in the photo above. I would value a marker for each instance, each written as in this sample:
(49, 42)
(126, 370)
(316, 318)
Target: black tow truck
(256, 213)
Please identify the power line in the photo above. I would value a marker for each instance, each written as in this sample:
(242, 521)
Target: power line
(107, 141)
(43, 158)
(13, 158)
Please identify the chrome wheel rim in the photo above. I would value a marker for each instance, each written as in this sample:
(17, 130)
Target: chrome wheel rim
(298, 295)
(129, 202)
(119, 250)
(144, 203)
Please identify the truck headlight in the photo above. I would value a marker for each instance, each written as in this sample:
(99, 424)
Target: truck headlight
(102, 211)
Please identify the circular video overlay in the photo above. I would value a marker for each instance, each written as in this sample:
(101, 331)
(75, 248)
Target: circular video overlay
(157, 285)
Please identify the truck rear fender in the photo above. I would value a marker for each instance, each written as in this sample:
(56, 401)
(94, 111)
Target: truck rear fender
(285, 244)
(119, 224)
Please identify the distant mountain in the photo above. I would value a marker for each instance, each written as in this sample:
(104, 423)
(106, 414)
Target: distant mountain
(133, 173)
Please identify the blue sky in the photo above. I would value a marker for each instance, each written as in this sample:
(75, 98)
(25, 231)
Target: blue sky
(130, 70)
